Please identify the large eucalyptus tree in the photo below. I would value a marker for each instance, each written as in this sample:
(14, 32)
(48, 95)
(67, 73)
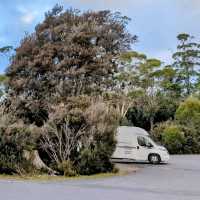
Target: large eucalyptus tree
(187, 62)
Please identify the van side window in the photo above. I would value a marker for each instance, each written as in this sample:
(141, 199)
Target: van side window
(141, 141)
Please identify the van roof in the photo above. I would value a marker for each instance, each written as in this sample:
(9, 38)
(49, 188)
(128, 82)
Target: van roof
(132, 130)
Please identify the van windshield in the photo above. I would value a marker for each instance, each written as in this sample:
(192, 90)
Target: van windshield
(152, 141)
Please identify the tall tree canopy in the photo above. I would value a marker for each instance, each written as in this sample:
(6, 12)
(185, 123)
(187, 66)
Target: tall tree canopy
(69, 54)
(187, 62)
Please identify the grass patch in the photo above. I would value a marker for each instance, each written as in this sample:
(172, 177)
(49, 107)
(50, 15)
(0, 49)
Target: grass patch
(44, 177)
(57, 178)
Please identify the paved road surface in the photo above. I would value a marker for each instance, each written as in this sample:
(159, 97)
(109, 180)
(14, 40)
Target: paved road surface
(179, 180)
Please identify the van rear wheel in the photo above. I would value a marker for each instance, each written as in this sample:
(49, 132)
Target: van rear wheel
(154, 159)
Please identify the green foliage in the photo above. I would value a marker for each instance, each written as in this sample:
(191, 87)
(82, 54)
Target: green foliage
(181, 135)
(138, 79)
(130, 55)
(3, 78)
(5, 49)
(90, 161)
(13, 141)
(158, 130)
(187, 62)
(183, 37)
(67, 168)
(3, 84)
(192, 140)
(158, 90)
(180, 139)
(188, 112)
(173, 139)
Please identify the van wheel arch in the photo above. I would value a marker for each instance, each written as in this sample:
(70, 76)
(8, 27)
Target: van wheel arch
(154, 158)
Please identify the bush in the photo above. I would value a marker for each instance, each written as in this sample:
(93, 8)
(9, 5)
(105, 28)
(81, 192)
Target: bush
(66, 168)
(188, 116)
(158, 130)
(183, 134)
(188, 113)
(13, 141)
(92, 161)
(85, 133)
(15, 137)
(103, 121)
(192, 140)
(174, 139)
(177, 138)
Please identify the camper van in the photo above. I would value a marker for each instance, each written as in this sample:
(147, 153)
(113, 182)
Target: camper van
(135, 144)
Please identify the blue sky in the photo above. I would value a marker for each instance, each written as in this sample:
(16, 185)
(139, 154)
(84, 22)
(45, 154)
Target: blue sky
(155, 22)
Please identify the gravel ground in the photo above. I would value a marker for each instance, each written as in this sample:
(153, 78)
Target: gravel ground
(178, 180)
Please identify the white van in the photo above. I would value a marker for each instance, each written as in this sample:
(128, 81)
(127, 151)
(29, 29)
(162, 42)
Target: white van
(134, 143)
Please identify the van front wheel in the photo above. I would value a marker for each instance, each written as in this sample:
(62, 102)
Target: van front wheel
(154, 159)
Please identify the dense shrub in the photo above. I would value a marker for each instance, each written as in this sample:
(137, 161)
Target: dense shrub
(178, 139)
(158, 130)
(174, 139)
(13, 141)
(188, 113)
(170, 135)
(94, 160)
(66, 168)
(192, 140)
(103, 122)
(183, 134)
(85, 132)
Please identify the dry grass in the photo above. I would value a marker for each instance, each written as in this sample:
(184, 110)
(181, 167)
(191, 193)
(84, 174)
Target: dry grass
(41, 178)
(55, 178)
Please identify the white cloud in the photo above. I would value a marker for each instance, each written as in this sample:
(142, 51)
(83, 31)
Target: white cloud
(27, 15)
(27, 18)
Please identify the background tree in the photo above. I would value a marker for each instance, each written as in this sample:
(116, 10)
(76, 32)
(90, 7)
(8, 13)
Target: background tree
(187, 62)
(5, 49)
(139, 79)
(147, 76)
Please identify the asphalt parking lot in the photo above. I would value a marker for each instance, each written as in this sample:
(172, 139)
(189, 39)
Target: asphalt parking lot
(178, 180)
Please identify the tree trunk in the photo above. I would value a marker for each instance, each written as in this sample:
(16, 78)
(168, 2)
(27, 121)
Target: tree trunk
(34, 158)
(151, 123)
(188, 87)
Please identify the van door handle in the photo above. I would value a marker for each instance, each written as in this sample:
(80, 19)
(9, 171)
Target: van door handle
(138, 147)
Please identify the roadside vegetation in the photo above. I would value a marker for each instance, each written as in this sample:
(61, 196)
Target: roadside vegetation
(73, 81)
